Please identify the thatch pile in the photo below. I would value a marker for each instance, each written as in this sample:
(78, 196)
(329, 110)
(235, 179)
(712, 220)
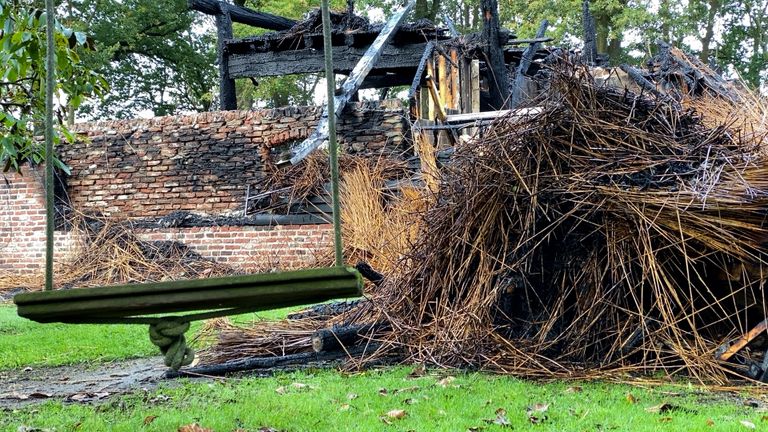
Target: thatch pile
(612, 232)
(108, 252)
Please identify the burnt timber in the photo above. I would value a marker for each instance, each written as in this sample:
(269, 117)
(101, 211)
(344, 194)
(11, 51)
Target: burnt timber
(282, 54)
(241, 15)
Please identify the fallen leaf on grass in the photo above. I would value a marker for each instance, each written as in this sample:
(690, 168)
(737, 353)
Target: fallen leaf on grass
(266, 429)
(574, 389)
(149, 419)
(383, 392)
(345, 407)
(445, 382)
(748, 424)
(665, 419)
(631, 398)
(397, 414)
(194, 427)
(352, 396)
(501, 418)
(536, 413)
(764, 419)
(407, 389)
(409, 401)
(710, 422)
(418, 372)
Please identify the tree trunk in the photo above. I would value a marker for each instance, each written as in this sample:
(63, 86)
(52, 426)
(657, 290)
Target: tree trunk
(709, 33)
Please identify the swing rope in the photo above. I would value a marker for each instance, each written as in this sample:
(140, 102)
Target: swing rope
(50, 80)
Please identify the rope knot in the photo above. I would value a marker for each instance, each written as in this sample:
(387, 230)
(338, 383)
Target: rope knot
(168, 335)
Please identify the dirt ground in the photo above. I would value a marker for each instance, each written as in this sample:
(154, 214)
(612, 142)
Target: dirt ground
(78, 383)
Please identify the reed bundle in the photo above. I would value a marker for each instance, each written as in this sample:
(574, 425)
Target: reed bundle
(612, 232)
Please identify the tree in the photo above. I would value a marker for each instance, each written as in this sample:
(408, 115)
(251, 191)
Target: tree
(22, 98)
(157, 55)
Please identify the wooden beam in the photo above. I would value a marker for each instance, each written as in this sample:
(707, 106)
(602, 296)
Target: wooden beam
(425, 56)
(497, 76)
(351, 85)
(242, 15)
(492, 115)
(261, 64)
(518, 92)
(227, 94)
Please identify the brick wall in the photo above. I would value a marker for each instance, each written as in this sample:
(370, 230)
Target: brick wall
(200, 163)
(22, 223)
(255, 248)
(203, 162)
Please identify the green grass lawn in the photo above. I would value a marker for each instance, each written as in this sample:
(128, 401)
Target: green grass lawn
(326, 400)
(331, 401)
(27, 343)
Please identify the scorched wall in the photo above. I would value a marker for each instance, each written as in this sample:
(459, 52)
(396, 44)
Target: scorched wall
(146, 169)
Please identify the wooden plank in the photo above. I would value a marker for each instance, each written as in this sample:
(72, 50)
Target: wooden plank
(492, 115)
(397, 59)
(351, 85)
(727, 353)
(268, 290)
(443, 72)
(454, 81)
(475, 80)
(242, 15)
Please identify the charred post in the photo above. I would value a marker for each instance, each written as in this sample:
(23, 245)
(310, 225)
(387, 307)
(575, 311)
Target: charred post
(499, 82)
(227, 94)
(590, 34)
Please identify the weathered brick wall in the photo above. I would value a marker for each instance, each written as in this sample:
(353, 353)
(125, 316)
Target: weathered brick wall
(203, 162)
(255, 249)
(22, 222)
(200, 163)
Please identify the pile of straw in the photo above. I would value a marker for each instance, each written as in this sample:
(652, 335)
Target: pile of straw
(612, 232)
(109, 252)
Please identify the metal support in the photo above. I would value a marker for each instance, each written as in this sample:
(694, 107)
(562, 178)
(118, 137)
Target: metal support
(333, 145)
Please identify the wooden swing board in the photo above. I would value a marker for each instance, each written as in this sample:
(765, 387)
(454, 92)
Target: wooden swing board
(256, 292)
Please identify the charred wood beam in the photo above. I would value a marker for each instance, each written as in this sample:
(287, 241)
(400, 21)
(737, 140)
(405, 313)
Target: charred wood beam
(644, 84)
(261, 64)
(425, 56)
(351, 85)
(341, 338)
(227, 94)
(242, 15)
(499, 82)
(450, 24)
(369, 273)
(525, 64)
(261, 363)
(590, 34)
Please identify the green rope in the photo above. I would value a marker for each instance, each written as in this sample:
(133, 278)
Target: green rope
(50, 79)
(333, 146)
(168, 335)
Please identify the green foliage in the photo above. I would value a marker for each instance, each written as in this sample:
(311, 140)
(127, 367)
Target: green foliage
(22, 89)
(157, 55)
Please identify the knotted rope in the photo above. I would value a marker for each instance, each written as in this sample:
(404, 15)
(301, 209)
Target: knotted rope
(168, 335)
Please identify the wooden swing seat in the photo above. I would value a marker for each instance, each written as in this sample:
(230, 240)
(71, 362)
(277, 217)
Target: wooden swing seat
(229, 294)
